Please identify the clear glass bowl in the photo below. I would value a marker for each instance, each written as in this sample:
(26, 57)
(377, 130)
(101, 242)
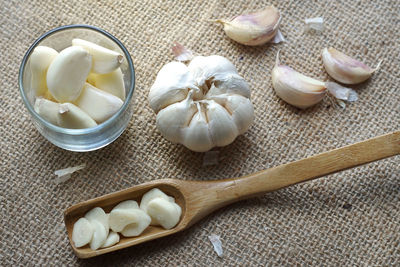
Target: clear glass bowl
(80, 139)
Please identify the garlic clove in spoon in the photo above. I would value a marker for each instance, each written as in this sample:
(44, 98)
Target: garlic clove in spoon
(253, 29)
(295, 88)
(104, 60)
(345, 69)
(40, 60)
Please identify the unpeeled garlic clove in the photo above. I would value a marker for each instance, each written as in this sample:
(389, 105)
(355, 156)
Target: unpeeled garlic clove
(47, 109)
(172, 119)
(345, 69)
(98, 104)
(295, 88)
(104, 60)
(197, 136)
(223, 130)
(67, 73)
(112, 82)
(40, 60)
(71, 116)
(240, 108)
(255, 28)
(172, 84)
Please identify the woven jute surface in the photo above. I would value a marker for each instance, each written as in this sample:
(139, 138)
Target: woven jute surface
(348, 219)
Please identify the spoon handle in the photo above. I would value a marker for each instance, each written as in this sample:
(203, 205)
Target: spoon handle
(231, 190)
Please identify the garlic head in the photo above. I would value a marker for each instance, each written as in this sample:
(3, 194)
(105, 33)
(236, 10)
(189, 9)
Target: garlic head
(345, 69)
(202, 105)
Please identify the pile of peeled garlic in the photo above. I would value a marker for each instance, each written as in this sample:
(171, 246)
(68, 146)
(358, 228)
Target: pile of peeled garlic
(79, 87)
(100, 229)
(201, 105)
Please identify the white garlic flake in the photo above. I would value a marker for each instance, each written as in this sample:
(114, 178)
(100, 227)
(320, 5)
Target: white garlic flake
(202, 105)
(316, 24)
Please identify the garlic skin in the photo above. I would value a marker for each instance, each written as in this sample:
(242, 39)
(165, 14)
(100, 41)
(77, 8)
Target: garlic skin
(295, 88)
(345, 69)
(202, 105)
(67, 73)
(255, 28)
(104, 60)
(98, 104)
(40, 60)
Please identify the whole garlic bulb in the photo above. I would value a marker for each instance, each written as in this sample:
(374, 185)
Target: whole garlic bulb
(202, 105)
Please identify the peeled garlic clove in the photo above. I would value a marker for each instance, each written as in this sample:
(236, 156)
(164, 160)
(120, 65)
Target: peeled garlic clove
(98, 214)
(127, 204)
(98, 104)
(172, 119)
(152, 194)
(82, 232)
(67, 73)
(71, 116)
(40, 60)
(141, 223)
(99, 235)
(255, 28)
(295, 88)
(240, 109)
(345, 69)
(112, 82)
(47, 109)
(112, 239)
(104, 60)
(166, 213)
(172, 85)
(197, 136)
(120, 218)
(222, 128)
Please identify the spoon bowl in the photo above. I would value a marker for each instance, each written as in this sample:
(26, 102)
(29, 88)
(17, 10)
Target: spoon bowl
(199, 198)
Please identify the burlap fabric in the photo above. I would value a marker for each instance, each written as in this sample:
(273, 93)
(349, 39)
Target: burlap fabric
(347, 219)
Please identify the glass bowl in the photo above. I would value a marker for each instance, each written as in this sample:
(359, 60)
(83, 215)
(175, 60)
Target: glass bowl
(80, 139)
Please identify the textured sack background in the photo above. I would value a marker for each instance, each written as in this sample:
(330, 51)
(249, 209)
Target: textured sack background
(351, 218)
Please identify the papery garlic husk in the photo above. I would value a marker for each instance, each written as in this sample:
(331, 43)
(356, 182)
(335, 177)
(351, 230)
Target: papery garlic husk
(345, 69)
(302, 91)
(255, 28)
(40, 60)
(202, 105)
(295, 88)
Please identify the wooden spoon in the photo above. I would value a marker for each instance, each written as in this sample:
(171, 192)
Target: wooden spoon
(199, 198)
